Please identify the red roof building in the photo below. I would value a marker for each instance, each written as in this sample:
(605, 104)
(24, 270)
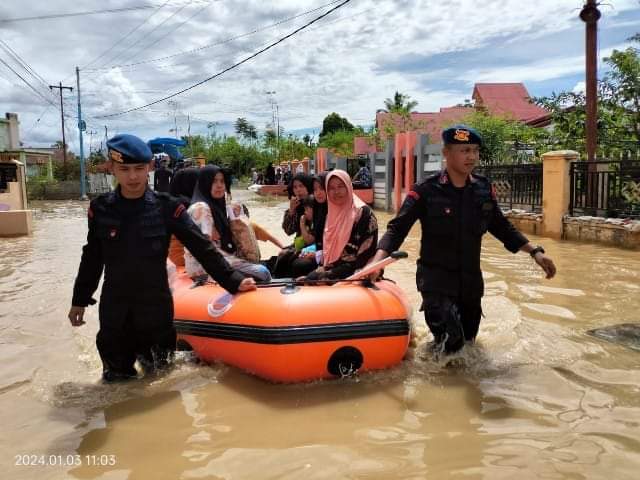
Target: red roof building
(509, 100)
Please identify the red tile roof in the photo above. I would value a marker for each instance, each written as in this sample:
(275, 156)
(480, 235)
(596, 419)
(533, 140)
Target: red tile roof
(510, 100)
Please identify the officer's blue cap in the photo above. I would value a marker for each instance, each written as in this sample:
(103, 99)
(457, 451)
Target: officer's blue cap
(125, 148)
(461, 134)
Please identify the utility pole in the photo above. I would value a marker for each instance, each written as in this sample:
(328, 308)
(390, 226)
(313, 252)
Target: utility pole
(174, 104)
(275, 121)
(189, 134)
(64, 142)
(590, 15)
(278, 133)
(81, 126)
(91, 133)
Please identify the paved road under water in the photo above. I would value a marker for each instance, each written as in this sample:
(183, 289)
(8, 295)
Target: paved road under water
(536, 397)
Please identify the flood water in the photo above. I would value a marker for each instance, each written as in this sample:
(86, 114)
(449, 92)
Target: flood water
(536, 397)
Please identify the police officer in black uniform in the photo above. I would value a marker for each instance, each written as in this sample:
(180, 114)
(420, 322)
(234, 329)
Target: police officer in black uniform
(455, 208)
(129, 232)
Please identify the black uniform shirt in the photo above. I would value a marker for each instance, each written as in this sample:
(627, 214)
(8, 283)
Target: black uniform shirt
(129, 239)
(453, 221)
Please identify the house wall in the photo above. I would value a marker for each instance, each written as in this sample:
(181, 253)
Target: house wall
(11, 198)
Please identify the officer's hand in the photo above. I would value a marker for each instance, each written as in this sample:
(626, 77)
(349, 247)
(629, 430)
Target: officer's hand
(380, 255)
(546, 264)
(247, 284)
(76, 315)
(377, 275)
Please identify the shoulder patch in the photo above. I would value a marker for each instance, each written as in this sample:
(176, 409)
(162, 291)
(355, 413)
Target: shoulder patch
(413, 194)
(179, 211)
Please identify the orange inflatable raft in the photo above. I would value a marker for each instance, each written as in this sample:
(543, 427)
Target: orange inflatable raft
(291, 333)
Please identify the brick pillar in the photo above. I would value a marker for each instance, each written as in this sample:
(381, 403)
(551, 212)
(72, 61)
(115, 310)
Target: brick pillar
(400, 143)
(555, 190)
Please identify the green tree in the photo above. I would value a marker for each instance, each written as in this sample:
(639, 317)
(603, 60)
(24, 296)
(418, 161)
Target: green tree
(333, 123)
(400, 103)
(341, 141)
(241, 126)
(618, 109)
(505, 140)
(624, 79)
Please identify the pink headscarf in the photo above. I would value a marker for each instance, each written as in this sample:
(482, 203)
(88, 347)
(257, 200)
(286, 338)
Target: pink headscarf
(340, 219)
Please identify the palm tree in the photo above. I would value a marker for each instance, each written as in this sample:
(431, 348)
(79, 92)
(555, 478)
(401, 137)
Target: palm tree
(241, 126)
(251, 132)
(401, 103)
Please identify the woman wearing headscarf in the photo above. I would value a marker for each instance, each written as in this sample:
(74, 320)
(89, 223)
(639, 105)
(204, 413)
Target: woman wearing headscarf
(350, 233)
(298, 188)
(182, 185)
(310, 257)
(208, 210)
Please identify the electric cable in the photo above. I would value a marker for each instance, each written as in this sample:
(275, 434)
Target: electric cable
(235, 65)
(221, 42)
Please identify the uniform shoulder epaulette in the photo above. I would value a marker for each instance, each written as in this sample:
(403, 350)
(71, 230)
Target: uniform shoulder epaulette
(162, 196)
(105, 198)
(481, 178)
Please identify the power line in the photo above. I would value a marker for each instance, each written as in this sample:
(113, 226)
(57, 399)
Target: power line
(149, 34)
(235, 65)
(20, 61)
(79, 14)
(170, 31)
(125, 37)
(27, 83)
(61, 87)
(221, 42)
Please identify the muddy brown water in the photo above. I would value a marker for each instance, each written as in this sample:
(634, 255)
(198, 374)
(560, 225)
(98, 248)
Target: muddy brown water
(536, 397)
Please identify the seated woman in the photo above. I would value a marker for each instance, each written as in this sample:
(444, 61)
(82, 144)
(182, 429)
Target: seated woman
(310, 257)
(182, 186)
(209, 211)
(350, 233)
(300, 186)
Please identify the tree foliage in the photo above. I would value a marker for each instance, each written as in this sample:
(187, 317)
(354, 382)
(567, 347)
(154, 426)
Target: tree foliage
(506, 141)
(334, 123)
(618, 108)
(340, 142)
(240, 156)
(400, 103)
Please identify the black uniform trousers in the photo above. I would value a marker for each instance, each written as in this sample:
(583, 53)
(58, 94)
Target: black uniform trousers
(132, 330)
(452, 321)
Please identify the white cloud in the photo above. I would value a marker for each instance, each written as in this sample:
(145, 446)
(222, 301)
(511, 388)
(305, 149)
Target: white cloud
(538, 70)
(333, 66)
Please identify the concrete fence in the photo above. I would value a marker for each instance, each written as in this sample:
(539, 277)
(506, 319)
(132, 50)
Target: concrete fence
(97, 183)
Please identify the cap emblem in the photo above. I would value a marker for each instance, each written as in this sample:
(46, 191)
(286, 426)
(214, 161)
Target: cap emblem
(115, 156)
(462, 135)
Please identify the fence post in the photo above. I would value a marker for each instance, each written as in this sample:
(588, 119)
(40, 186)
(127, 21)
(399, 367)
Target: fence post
(388, 164)
(556, 189)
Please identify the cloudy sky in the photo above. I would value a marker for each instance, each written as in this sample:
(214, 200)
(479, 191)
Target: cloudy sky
(348, 62)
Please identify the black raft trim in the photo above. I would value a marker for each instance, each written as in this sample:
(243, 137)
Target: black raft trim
(293, 333)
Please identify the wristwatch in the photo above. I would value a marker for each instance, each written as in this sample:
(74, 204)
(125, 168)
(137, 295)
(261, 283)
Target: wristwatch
(537, 249)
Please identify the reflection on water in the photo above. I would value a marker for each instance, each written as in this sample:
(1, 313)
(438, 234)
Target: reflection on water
(535, 397)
